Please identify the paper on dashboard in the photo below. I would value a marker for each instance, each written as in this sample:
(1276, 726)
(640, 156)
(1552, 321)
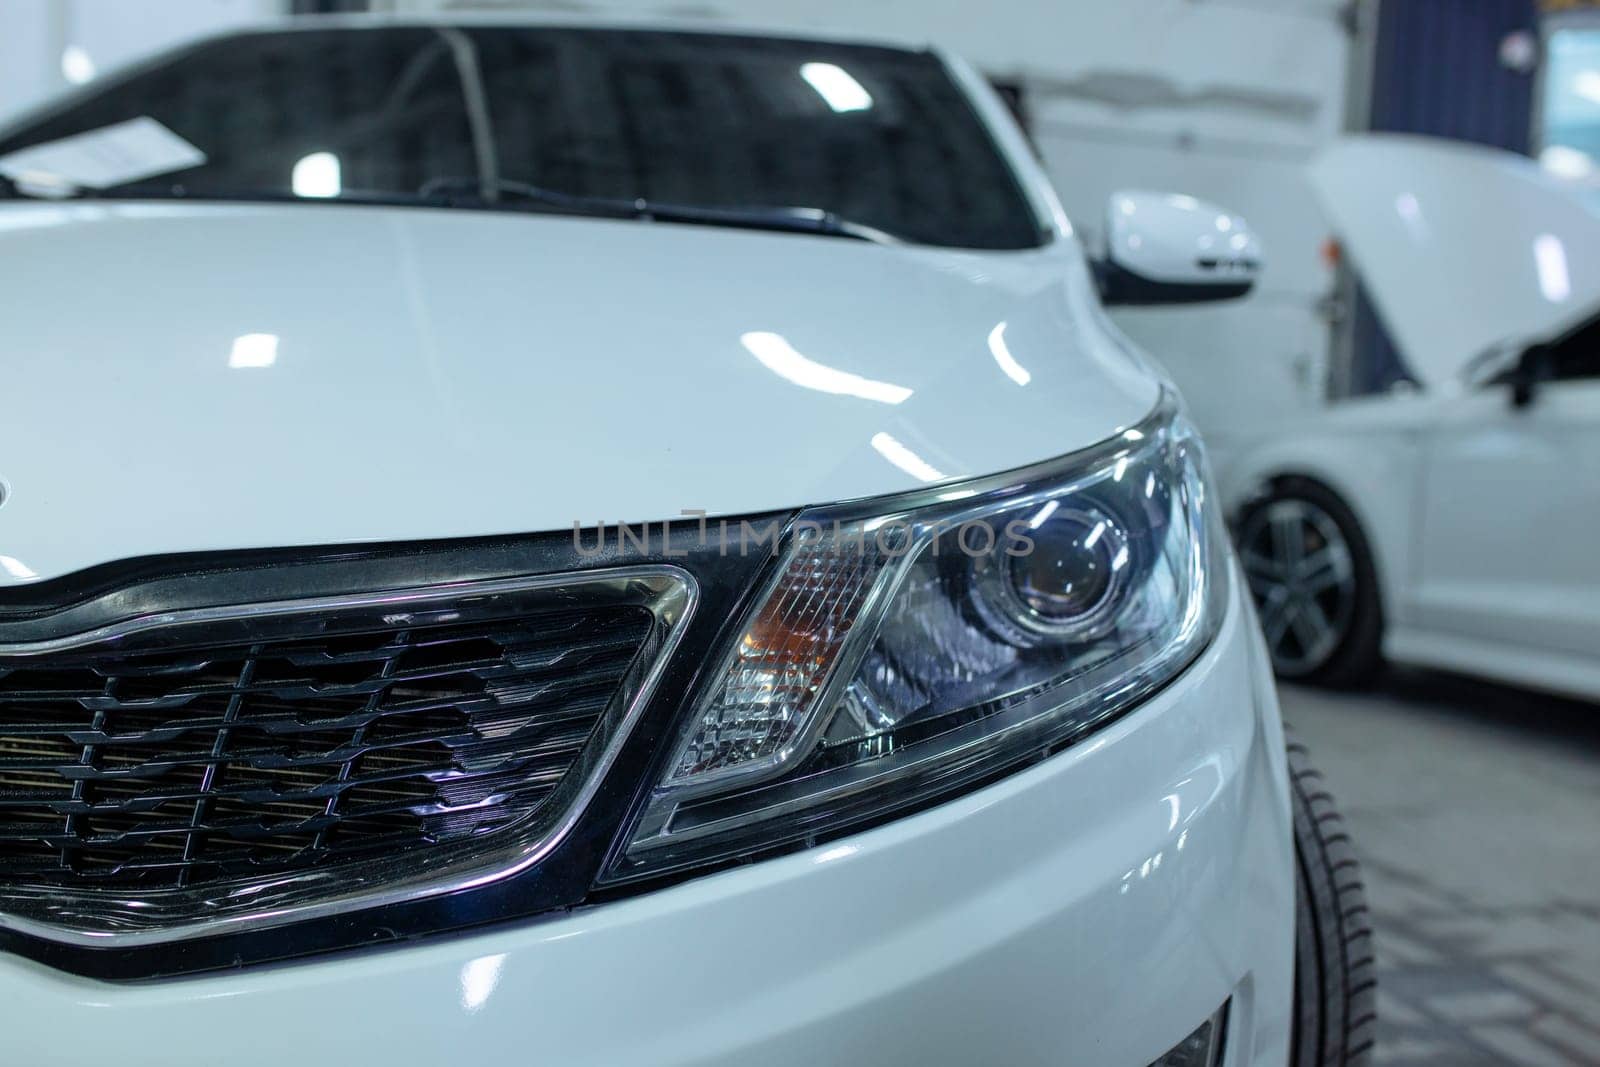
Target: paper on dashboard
(99, 159)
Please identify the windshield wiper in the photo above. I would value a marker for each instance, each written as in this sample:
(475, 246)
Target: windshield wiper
(789, 219)
(451, 192)
(794, 219)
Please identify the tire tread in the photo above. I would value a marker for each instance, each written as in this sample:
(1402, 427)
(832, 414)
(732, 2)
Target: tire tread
(1335, 970)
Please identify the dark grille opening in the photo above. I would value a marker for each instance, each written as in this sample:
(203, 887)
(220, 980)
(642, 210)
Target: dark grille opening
(46, 684)
(206, 764)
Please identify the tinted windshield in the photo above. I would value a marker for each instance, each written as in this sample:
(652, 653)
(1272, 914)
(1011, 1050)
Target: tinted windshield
(879, 137)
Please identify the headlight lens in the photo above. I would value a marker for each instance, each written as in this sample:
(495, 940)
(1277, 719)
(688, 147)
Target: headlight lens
(896, 658)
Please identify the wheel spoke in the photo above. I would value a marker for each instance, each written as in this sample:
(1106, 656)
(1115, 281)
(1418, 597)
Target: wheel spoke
(1299, 566)
(1262, 586)
(1288, 539)
(1311, 627)
(1275, 622)
(1324, 569)
(1257, 565)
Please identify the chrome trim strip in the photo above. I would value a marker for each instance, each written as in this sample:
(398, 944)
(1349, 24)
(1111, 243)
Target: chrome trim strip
(672, 604)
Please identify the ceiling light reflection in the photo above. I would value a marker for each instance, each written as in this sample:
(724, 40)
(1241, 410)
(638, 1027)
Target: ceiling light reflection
(1550, 255)
(254, 350)
(1044, 514)
(317, 175)
(478, 979)
(1409, 208)
(17, 569)
(1002, 355)
(907, 460)
(76, 66)
(1587, 85)
(838, 852)
(1567, 162)
(779, 356)
(836, 86)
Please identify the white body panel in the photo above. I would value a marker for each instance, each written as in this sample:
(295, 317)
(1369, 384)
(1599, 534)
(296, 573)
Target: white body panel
(1090, 910)
(1365, 450)
(1506, 538)
(459, 374)
(1480, 514)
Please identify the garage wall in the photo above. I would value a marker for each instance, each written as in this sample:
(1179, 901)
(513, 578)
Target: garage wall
(1228, 104)
(34, 34)
(29, 67)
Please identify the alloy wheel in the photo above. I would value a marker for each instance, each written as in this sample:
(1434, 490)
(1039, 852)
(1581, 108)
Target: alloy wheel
(1302, 575)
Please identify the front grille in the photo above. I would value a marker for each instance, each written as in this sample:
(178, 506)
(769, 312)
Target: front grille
(172, 762)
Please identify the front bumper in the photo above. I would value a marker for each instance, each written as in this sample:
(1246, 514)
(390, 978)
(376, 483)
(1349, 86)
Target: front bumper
(1093, 909)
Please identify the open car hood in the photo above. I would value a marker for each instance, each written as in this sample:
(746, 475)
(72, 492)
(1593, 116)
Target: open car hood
(1462, 248)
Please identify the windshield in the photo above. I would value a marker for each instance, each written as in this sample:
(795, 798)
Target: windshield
(553, 119)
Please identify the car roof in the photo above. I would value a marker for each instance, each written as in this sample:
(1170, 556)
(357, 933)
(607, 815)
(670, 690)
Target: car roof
(710, 24)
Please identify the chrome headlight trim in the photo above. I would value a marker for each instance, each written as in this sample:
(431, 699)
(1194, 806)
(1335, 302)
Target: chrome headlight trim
(742, 778)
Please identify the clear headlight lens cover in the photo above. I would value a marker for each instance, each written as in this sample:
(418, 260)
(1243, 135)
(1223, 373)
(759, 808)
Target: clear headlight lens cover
(896, 658)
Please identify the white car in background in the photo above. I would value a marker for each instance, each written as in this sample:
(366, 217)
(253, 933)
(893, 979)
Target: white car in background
(918, 714)
(1452, 526)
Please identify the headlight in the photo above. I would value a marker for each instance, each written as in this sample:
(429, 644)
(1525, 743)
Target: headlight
(896, 658)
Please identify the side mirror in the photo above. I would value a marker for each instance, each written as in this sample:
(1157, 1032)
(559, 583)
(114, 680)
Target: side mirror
(1165, 248)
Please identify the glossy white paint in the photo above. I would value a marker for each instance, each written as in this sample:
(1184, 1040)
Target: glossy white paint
(1480, 514)
(1090, 910)
(1368, 451)
(264, 376)
(1463, 248)
(1510, 504)
(1480, 517)
(1178, 240)
(256, 376)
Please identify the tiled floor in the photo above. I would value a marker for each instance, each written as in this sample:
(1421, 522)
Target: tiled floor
(1476, 811)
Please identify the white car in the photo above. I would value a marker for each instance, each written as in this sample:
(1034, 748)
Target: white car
(1451, 526)
(540, 542)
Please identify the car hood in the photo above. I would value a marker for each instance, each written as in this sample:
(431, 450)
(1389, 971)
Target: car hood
(185, 377)
(1463, 249)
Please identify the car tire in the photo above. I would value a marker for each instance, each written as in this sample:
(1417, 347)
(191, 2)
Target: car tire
(1335, 985)
(1350, 651)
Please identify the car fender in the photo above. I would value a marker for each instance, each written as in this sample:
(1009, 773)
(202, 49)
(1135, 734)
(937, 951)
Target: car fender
(1375, 470)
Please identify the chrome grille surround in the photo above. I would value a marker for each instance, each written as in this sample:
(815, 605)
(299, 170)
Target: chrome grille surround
(241, 673)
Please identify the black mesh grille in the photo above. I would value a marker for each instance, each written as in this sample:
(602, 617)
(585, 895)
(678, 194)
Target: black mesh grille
(200, 764)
